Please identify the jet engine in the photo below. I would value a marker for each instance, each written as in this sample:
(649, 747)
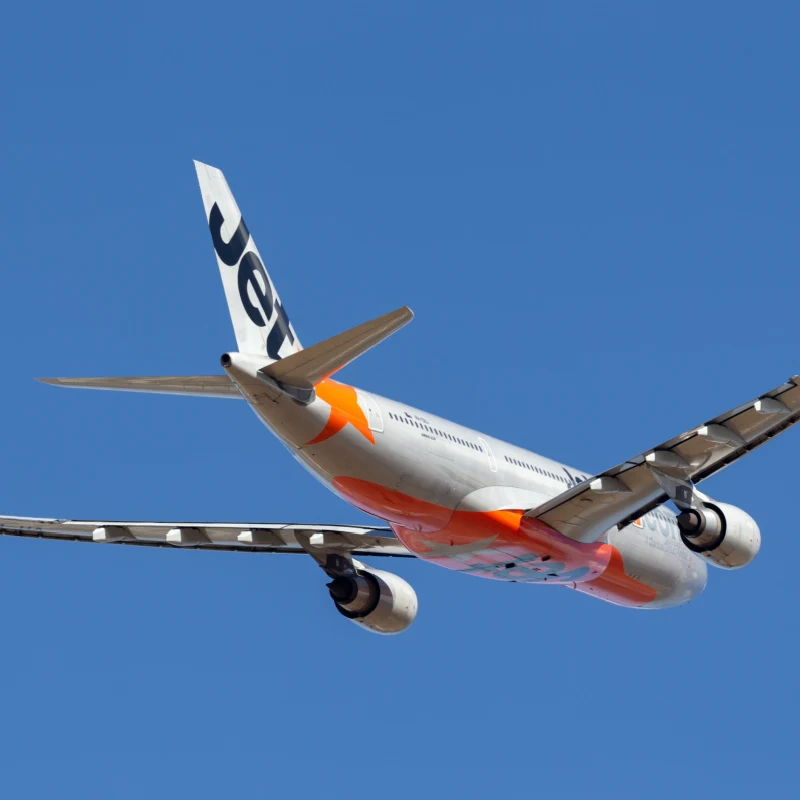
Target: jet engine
(722, 534)
(379, 601)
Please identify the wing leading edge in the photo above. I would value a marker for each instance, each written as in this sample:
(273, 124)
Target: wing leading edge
(258, 537)
(625, 492)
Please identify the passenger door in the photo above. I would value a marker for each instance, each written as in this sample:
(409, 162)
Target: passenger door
(374, 415)
(489, 454)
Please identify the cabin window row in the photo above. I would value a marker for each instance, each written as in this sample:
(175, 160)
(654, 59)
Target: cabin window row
(437, 431)
(516, 462)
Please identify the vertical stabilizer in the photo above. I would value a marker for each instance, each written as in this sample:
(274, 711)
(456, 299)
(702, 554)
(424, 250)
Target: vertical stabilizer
(259, 319)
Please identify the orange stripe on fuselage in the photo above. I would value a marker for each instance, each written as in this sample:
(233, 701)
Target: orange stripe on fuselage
(616, 586)
(507, 545)
(391, 505)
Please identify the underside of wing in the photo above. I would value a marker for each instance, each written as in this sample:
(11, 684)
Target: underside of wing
(242, 537)
(625, 492)
(192, 385)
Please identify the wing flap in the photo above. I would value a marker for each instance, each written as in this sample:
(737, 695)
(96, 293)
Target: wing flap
(584, 512)
(242, 537)
(191, 385)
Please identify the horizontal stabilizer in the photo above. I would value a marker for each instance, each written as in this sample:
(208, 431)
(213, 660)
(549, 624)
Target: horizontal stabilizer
(305, 369)
(193, 385)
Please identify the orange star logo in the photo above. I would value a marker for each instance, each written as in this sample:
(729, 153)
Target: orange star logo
(343, 401)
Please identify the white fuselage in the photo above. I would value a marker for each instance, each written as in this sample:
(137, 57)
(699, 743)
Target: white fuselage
(457, 497)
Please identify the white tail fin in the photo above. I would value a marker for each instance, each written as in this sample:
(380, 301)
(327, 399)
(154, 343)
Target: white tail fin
(259, 320)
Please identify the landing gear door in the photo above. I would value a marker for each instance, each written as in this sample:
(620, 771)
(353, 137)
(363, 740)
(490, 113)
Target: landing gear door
(374, 415)
(489, 454)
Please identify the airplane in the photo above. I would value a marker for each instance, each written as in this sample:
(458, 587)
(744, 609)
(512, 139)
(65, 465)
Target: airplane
(449, 495)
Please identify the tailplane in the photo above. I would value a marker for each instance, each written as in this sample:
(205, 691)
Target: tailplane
(259, 319)
(306, 369)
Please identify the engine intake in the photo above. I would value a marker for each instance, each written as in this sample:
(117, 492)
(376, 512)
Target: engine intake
(379, 601)
(722, 534)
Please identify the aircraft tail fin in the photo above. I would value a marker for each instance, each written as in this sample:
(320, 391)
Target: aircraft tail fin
(259, 319)
(305, 369)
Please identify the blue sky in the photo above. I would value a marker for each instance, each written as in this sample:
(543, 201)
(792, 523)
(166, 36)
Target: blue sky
(592, 209)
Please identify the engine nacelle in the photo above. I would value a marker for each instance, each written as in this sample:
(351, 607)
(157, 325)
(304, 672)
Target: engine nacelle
(722, 534)
(379, 601)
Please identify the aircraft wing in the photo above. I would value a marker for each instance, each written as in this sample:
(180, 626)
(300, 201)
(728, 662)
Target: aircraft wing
(625, 492)
(194, 385)
(256, 537)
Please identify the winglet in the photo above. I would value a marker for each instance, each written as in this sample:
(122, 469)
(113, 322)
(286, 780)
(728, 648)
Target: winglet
(305, 369)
